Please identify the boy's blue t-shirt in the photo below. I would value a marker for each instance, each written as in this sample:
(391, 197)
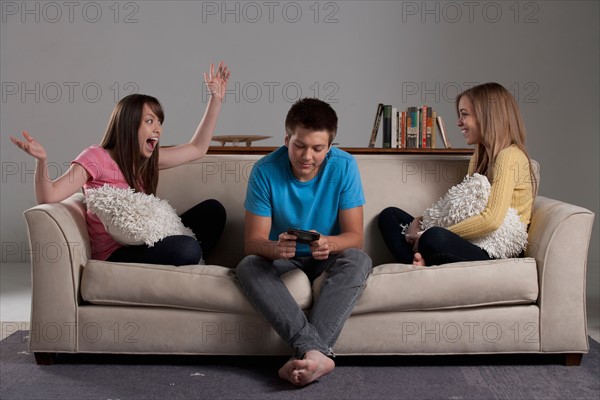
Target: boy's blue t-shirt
(273, 191)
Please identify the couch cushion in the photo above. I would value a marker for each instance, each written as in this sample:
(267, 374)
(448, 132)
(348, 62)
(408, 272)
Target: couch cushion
(201, 287)
(401, 287)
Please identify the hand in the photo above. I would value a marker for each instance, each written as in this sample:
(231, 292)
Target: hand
(414, 233)
(217, 83)
(286, 246)
(320, 248)
(30, 146)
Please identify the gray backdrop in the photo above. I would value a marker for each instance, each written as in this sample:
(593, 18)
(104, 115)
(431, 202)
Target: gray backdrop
(64, 65)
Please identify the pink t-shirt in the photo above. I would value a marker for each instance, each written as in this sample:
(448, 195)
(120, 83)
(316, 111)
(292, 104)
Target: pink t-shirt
(103, 171)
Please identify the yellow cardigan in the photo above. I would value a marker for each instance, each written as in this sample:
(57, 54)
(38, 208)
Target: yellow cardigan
(512, 187)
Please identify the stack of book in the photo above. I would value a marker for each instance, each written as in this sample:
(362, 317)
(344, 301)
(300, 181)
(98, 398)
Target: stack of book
(414, 128)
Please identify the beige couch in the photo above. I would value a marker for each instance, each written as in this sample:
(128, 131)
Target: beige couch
(528, 305)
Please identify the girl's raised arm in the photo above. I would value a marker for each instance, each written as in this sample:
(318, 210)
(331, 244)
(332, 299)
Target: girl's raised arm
(216, 82)
(46, 190)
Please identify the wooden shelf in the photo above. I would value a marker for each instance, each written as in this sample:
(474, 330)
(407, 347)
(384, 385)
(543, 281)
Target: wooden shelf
(374, 150)
(351, 150)
(240, 150)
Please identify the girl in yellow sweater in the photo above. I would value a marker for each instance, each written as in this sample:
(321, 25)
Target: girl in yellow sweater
(488, 118)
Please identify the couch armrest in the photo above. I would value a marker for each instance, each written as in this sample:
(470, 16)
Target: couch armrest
(59, 244)
(559, 237)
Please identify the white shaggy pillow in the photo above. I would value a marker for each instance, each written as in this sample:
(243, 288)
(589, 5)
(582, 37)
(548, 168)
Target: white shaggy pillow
(469, 198)
(134, 218)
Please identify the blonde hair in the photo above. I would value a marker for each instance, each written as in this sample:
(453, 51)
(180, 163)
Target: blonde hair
(500, 124)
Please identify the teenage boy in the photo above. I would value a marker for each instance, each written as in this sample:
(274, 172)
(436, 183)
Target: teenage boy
(310, 185)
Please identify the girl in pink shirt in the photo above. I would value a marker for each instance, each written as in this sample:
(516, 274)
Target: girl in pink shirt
(129, 156)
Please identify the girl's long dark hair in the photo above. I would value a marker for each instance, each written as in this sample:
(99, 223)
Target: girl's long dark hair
(121, 138)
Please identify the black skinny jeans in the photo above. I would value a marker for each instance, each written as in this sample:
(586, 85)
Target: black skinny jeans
(206, 220)
(436, 245)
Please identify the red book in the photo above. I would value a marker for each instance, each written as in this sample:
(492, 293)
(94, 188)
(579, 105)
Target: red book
(429, 127)
(403, 130)
(423, 127)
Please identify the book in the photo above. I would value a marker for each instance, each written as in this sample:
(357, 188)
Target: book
(412, 127)
(442, 127)
(423, 128)
(376, 125)
(419, 140)
(394, 141)
(397, 132)
(429, 128)
(433, 130)
(387, 126)
(415, 128)
(403, 130)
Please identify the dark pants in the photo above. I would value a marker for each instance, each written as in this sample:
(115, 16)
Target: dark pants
(436, 245)
(206, 220)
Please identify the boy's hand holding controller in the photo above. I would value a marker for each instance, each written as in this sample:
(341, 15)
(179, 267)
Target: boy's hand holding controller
(286, 245)
(319, 246)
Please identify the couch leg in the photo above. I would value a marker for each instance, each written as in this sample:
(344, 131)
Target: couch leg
(44, 358)
(573, 359)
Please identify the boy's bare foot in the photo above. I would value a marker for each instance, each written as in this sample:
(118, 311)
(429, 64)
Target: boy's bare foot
(288, 372)
(418, 260)
(302, 372)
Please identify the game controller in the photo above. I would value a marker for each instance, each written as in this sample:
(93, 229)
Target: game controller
(304, 236)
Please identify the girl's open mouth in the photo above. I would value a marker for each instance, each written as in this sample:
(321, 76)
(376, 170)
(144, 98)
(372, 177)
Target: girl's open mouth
(151, 143)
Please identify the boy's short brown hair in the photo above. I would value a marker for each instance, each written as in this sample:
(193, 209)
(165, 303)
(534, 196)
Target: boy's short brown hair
(313, 114)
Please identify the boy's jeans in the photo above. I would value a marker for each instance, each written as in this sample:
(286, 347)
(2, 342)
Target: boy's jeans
(347, 272)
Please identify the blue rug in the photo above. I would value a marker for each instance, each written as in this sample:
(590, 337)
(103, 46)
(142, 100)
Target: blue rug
(196, 377)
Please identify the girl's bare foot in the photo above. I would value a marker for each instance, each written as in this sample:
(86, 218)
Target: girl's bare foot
(302, 372)
(418, 260)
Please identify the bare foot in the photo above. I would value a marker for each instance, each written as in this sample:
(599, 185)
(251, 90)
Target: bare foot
(418, 260)
(288, 372)
(302, 372)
